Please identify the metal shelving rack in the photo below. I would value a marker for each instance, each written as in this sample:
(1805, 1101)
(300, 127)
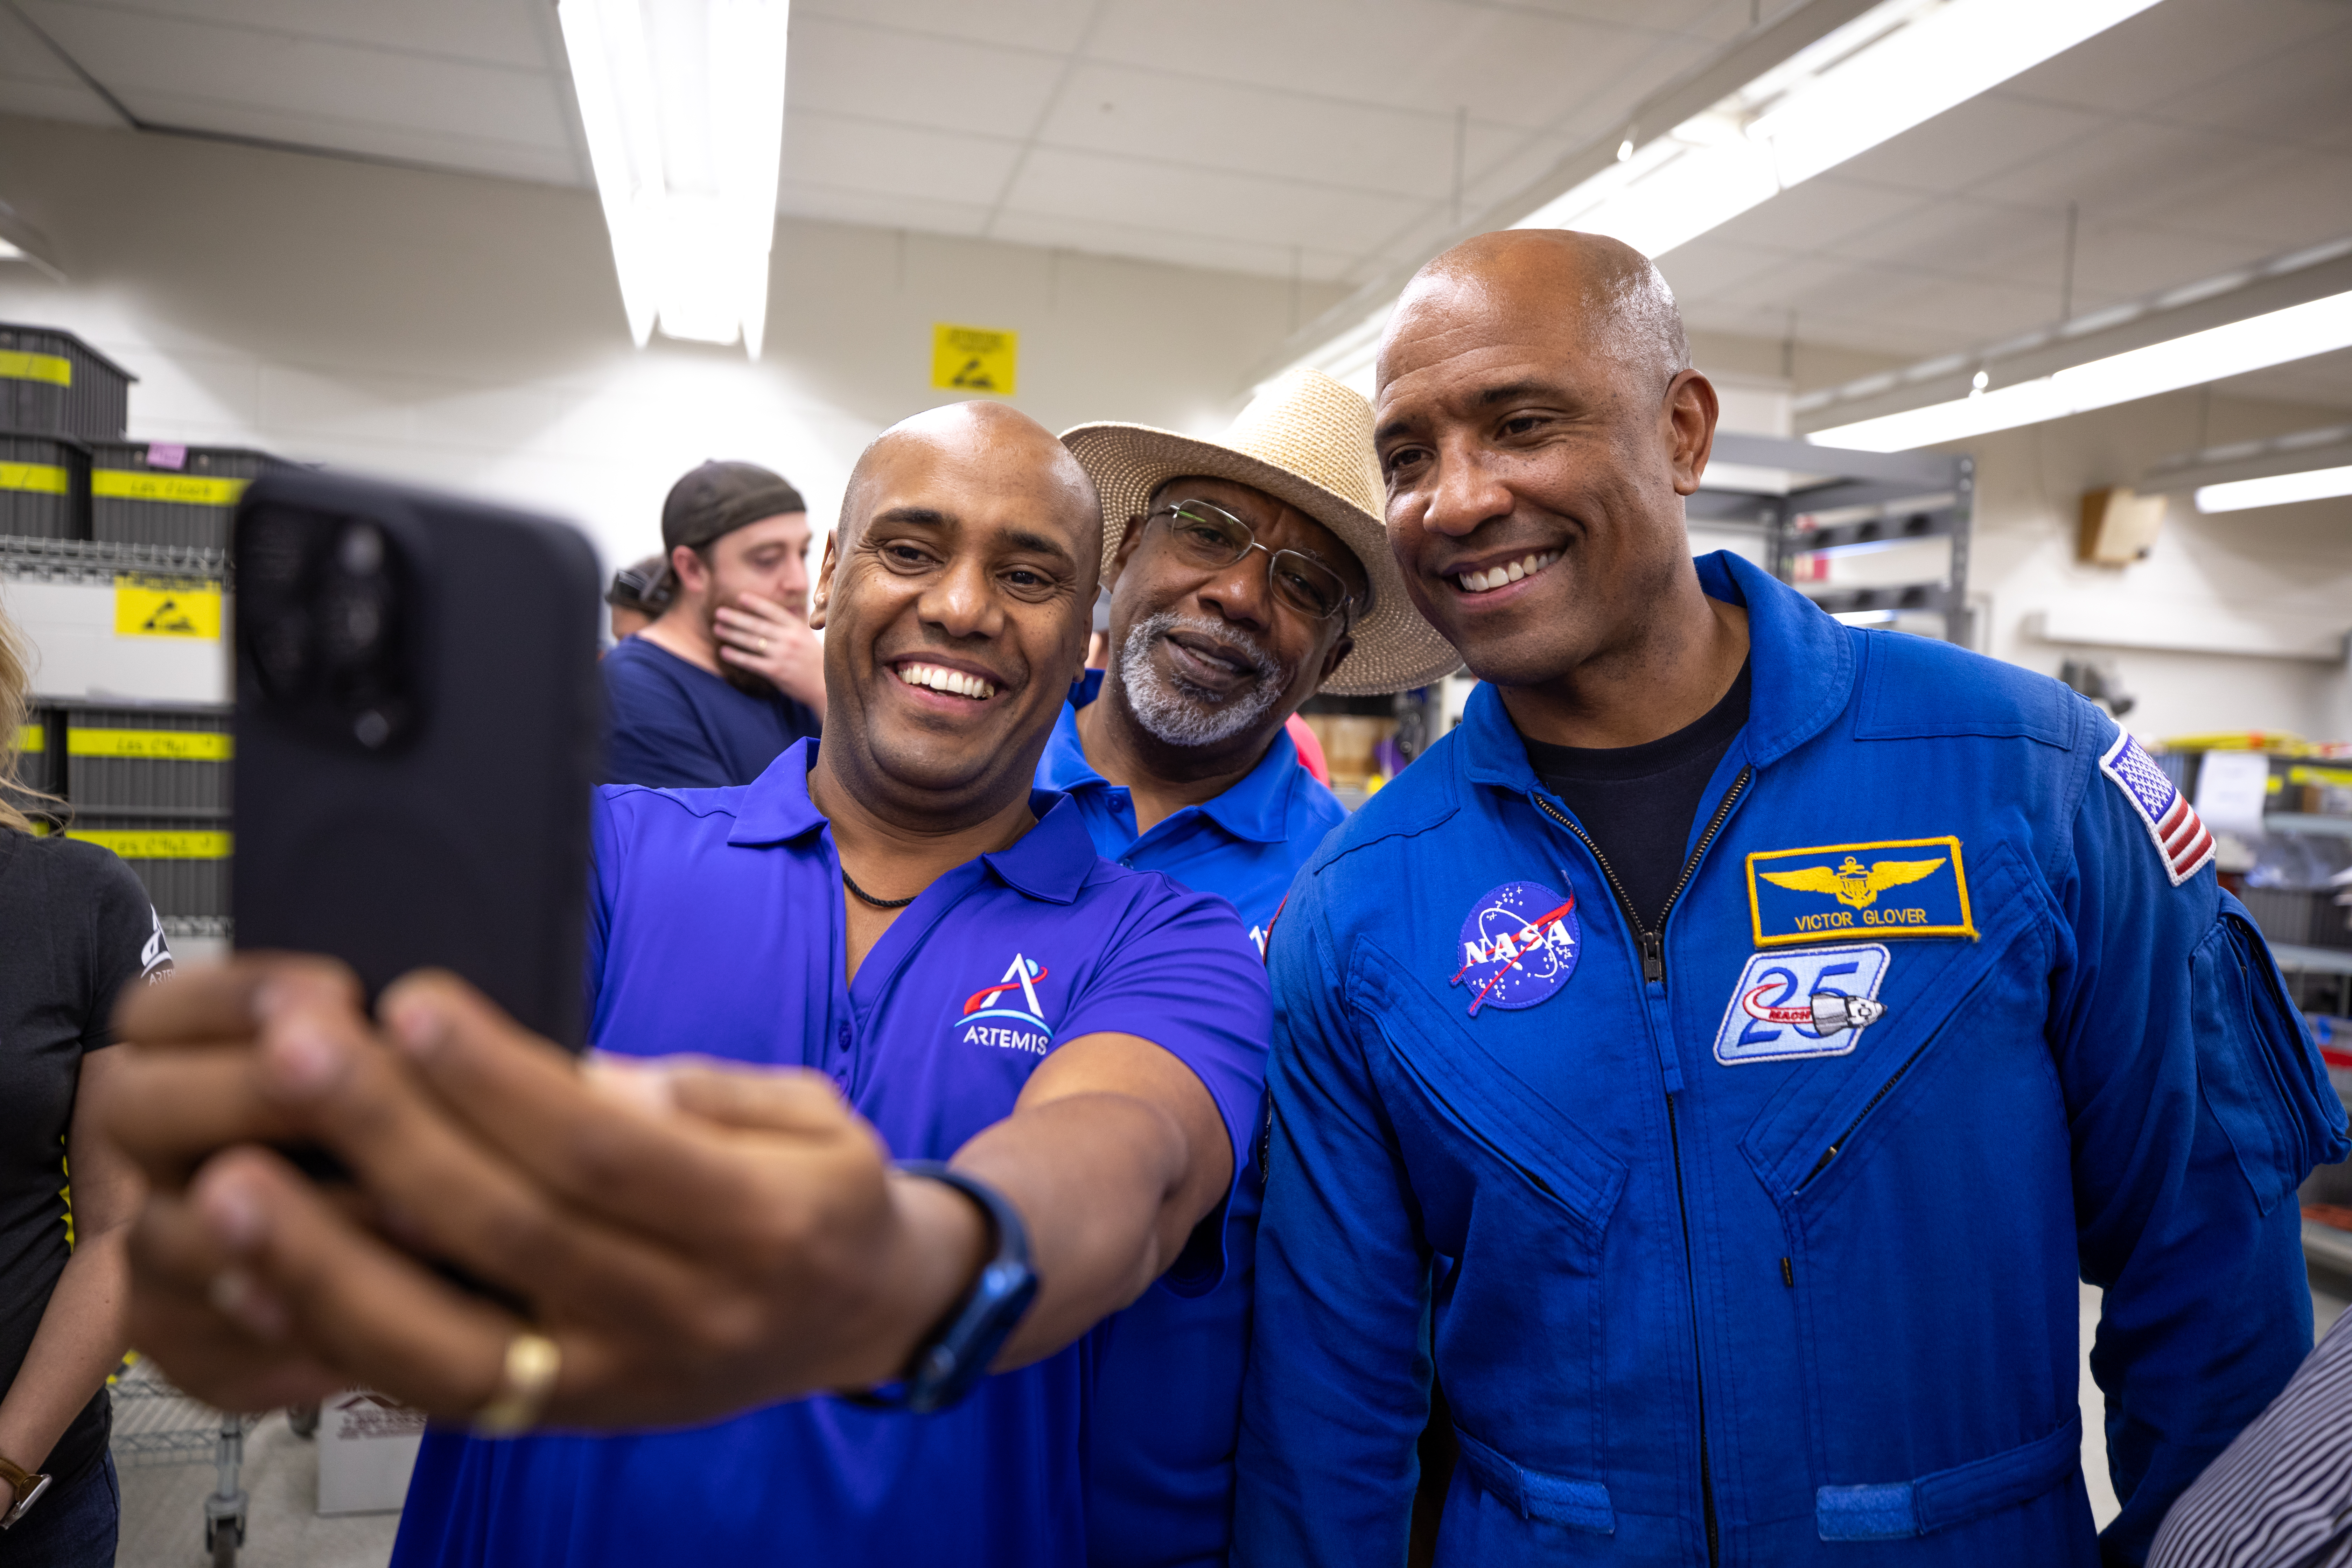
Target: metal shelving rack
(1814, 504)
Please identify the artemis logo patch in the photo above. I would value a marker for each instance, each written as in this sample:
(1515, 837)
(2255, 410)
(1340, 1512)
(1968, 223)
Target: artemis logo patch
(1811, 1003)
(1520, 944)
(1006, 1015)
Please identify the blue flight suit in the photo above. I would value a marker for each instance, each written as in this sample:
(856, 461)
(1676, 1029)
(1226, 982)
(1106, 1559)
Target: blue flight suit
(1167, 1370)
(1756, 1241)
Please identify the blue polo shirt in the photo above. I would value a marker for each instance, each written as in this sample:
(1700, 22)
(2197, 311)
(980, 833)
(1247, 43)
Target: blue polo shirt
(1168, 1374)
(717, 927)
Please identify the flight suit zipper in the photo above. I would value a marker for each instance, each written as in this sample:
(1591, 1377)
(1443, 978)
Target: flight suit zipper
(1654, 973)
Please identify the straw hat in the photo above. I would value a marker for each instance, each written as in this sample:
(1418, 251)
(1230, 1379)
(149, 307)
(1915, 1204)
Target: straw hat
(1306, 440)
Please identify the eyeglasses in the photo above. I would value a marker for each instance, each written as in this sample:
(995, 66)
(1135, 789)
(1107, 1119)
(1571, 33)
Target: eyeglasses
(1211, 537)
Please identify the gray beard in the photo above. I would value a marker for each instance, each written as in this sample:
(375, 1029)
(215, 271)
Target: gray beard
(1183, 715)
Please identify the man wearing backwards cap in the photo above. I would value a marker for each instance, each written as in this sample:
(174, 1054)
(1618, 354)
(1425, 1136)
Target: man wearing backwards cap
(729, 674)
(1246, 573)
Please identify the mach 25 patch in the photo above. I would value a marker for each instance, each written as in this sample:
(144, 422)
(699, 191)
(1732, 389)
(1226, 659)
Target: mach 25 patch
(1894, 887)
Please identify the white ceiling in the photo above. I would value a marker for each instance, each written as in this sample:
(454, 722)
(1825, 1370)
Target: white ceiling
(1318, 137)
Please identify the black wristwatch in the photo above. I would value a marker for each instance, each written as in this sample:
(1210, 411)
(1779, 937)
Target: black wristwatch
(28, 1485)
(955, 1355)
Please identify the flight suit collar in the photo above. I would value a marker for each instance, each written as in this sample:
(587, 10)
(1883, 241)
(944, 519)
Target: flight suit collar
(1802, 674)
(1049, 863)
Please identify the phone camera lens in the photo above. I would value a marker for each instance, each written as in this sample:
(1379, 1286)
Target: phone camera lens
(360, 550)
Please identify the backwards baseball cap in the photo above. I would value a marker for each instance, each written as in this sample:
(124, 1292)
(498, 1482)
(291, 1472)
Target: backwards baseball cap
(718, 497)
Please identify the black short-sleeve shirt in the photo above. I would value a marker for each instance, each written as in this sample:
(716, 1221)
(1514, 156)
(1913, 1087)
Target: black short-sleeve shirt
(76, 927)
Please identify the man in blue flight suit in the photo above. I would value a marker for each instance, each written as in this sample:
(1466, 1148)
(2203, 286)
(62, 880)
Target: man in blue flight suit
(948, 971)
(1246, 573)
(1736, 1038)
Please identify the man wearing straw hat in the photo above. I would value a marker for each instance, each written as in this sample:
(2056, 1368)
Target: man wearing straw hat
(1246, 573)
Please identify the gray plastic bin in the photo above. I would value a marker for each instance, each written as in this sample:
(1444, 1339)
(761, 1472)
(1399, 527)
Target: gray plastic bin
(146, 492)
(2299, 919)
(52, 383)
(43, 486)
(163, 762)
(183, 861)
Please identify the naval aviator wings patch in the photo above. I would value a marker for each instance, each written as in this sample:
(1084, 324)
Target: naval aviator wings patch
(2181, 841)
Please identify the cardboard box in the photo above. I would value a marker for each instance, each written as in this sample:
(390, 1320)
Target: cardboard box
(367, 1446)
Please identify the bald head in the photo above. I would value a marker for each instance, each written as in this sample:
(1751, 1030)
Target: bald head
(983, 434)
(955, 602)
(1537, 424)
(1604, 287)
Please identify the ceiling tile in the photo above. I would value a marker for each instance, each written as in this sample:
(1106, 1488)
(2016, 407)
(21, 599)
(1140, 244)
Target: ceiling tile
(2167, 50)
(1119, 111)
(1962, 147)
(182, 72)
(493, 32)
(888, 161)
(1822, 213)
(1423, 52)
(1176, 247)
(844, 204)
(1052, 26)
(2285, 97)
(1055, 183)
(950, 84)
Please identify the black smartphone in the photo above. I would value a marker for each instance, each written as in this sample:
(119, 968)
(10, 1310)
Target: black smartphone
(417, 729)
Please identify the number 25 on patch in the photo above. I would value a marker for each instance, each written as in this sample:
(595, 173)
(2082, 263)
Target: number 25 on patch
(1814, 1003)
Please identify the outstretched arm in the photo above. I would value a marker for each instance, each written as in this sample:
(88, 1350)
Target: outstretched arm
(698, 1241)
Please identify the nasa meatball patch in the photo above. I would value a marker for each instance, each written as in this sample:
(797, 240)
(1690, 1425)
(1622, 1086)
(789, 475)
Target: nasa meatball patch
(1520, 944)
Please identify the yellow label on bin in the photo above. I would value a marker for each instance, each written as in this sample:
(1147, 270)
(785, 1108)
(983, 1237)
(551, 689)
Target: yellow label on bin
(32, 737)
(152, 606)
(163, 745)
(17, 365)
(44, 479)
(973, 359)
(2338, 778)
(181, 490)
(155, 844)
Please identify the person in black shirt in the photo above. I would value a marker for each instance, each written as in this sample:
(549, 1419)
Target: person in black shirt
(1641, 804)
(729, 674)
(76, 927)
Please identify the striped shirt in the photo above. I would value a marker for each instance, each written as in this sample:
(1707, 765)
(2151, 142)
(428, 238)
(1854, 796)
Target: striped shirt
(2281, 1496)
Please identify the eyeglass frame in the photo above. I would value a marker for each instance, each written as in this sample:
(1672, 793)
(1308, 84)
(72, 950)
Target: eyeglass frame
(1348, 597)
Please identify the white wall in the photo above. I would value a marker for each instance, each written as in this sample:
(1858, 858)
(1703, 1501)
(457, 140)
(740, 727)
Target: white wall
(467, 333)
(2285, 567)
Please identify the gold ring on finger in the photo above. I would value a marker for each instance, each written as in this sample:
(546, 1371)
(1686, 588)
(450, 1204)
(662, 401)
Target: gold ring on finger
(532, 1361)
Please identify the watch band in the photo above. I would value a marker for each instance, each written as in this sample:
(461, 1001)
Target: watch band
(954, 1356)
(29, 1485)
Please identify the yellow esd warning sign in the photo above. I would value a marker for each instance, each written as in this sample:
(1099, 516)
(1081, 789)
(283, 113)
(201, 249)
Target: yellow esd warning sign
(973, 359)
(146, 605)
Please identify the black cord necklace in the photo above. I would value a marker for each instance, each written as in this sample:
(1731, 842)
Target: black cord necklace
(851, 883)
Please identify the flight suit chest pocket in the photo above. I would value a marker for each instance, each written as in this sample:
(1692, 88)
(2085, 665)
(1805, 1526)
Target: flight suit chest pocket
(1940, 994)
(1472, 1131)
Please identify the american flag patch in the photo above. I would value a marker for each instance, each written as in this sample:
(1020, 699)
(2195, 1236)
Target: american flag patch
(2180, 838)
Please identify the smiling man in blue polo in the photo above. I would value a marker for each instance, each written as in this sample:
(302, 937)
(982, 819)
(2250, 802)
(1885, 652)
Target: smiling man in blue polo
(1246, 573)
(1736, 1038)
(951, 972)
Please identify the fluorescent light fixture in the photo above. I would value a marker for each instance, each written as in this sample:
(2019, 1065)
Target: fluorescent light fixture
(683, 103)
(1893, 66)
(2278, 490)
(2235, 348)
